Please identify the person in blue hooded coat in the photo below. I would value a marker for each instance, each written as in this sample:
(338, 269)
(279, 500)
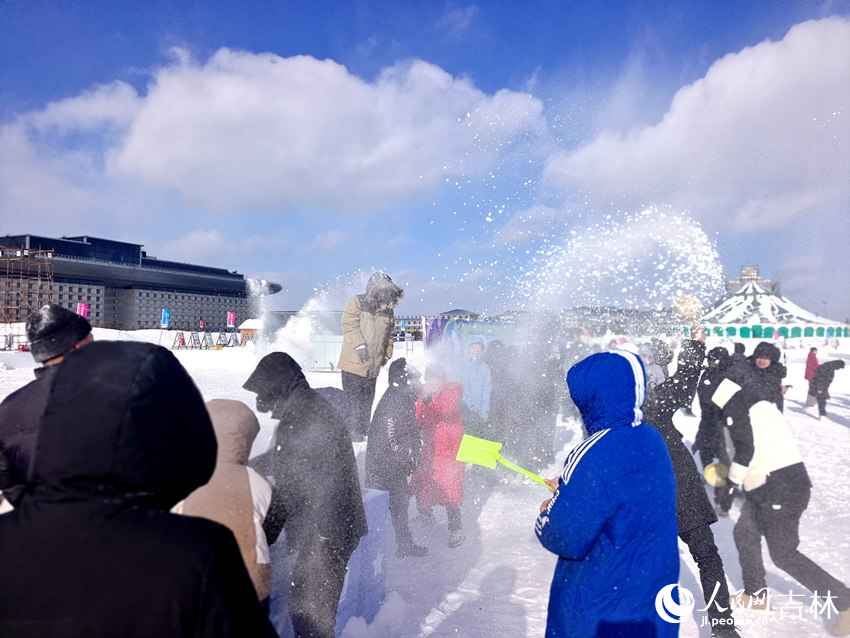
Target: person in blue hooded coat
(612, 519)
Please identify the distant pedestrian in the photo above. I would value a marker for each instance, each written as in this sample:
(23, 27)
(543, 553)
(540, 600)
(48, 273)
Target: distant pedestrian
(811, 367)
(367, 344)
(820, 384)
(53, 332)
(93, 550)
(612, 519)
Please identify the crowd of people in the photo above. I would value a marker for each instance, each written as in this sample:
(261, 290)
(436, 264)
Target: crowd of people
(147, 493)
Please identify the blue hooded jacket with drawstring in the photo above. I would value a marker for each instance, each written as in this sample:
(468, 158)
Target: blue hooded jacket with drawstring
(612, 520)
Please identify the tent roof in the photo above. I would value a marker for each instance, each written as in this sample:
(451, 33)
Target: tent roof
(752, 304)
(251, 324)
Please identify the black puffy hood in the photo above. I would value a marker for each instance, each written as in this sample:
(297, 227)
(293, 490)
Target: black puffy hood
(720, 355)
(124, 420)
(276, 376)
(766, 350)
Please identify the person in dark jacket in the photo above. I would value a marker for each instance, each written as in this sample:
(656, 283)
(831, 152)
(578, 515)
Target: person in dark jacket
(820, 384)
(52, 332)
(766, 374)
(612, 519)
(710, 441)
(316, 495)
(93, 550)
(769, 467)
(392, 450)
(694, 511)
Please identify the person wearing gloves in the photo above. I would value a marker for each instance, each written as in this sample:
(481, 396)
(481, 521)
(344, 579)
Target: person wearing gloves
(316, 496)
(53, 332)
(236, 495)
(93, 549)
(612, 519)
(769, 467)
(367, 344)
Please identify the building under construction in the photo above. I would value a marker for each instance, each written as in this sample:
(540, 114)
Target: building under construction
(118, 285)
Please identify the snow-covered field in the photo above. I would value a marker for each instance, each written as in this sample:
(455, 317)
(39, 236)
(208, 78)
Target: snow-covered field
(496, 583)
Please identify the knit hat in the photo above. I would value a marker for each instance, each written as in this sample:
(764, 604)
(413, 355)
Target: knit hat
(53, 330)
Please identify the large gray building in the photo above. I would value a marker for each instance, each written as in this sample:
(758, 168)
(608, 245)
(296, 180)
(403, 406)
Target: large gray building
(120, 285)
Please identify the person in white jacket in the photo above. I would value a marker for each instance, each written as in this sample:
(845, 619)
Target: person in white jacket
(769, 467)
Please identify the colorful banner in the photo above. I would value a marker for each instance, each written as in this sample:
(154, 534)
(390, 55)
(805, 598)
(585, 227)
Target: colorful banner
(166, 317)
(231, 319)
(83, 309)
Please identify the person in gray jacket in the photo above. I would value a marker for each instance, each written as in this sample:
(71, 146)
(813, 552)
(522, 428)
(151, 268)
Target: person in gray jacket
(367, 345)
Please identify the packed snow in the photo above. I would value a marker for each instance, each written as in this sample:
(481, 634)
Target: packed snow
(496, 583)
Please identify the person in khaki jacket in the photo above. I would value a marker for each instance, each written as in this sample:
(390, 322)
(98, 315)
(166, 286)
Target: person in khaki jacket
(367, 344)
(236, 496)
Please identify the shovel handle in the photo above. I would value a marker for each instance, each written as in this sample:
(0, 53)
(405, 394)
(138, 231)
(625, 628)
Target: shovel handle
(523, 471)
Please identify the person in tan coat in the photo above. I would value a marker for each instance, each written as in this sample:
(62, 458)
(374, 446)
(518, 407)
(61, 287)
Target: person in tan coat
(237, 496)
(367, 345)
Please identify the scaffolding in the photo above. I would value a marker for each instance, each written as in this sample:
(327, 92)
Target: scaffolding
(26, 283)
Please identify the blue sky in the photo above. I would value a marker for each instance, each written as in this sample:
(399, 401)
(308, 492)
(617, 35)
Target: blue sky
(489, 156)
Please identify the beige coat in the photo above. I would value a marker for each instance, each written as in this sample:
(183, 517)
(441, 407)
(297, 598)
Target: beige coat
(228, 498)
(365, 322)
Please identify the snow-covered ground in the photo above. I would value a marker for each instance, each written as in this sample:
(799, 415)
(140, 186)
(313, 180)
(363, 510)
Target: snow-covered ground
(496, 583)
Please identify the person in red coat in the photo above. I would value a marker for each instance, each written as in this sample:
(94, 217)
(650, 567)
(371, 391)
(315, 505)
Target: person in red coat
(439, 479)
(812, 365)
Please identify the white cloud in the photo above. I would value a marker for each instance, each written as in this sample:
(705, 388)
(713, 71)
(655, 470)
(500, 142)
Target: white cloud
(212, 247)
(457, 21)
(762, 140)
(328, 241)
(247, 133)
(264, 132)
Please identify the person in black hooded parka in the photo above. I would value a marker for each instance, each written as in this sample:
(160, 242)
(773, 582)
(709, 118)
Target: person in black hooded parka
(766, 374)
(93, 550)
(392, 449)
(316, 497)
(821, 381)
(694, 511)
(710, 441)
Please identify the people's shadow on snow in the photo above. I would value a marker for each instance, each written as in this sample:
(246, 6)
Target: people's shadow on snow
(491, 612)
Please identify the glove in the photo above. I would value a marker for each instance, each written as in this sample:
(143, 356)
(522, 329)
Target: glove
(384, 362)
(361, 352)
(725, 495)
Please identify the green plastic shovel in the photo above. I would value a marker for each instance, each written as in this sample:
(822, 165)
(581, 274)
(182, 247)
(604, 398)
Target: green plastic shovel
(486, 453)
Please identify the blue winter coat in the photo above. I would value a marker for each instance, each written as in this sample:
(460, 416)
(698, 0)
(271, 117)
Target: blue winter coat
(612, 520)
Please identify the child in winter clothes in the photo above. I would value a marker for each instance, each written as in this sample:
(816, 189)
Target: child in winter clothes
(236, 495)
(392, 449)
(474, 374)
(439, 479)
